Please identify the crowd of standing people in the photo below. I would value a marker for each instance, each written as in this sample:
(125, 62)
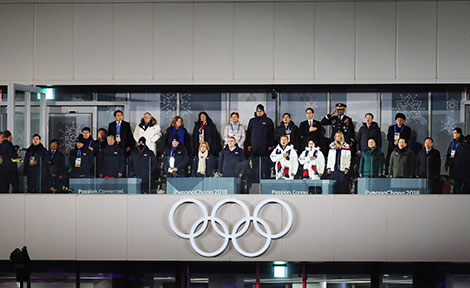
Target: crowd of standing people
(287, 151)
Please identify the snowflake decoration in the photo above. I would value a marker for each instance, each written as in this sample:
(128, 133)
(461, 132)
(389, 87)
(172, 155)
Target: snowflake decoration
(448, 124)
(77, 98)
(452, 104)
(410, 105)
(185, 102)
(70, 134)
(111, 109)
(311, 103)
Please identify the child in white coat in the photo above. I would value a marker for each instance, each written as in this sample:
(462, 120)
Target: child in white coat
(285, 159)
(313, 161)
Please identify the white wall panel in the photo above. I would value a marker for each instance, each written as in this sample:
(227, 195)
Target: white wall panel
(454, 39)
(16, 48)
(101, 227)
(416, 40)
(12, 226)
(42, 227)
(93, 41)
(334, 40)
(375, 40)
(213, 41)
(174, 41)
(133, 41)
(293, 41)
(54, 41)
(254, 51)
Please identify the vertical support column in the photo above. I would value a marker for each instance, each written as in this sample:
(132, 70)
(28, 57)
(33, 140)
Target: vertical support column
(376, 276)
(11, 108)
(43, 118)
(27, 119)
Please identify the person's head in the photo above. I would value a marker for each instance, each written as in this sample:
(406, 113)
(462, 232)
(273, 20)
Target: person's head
(6, 135)
(102, 133)
(147, 117)
(54, 144)
(371, 143)
(204, 146)
(142, 141)
(286, 118)
(36, 139)
(79, 143)
(284, 140)
(118, 115)
(259, 110)
(400, 119)
(203, 117)
(402, 143)
(457, 133)
(340, 108)
(86, 132)
(339, 137)
(309, 113)
(231, 141)
(369, 117)
(234, 116)
(311, 143)
(428, 143)
(175, 143)
(177, 122)
(111, 140)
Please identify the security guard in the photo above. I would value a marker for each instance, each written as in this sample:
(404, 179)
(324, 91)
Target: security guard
(341, 123)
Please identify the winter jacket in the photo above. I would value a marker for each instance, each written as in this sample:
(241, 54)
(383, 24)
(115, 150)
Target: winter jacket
(211, 165)
(405, 132)
(169, 136)
(428, 165)
(112, 161)
(142, 163)
(86, 162)
(211, 136)
(181, 160)
(293, 137)
(41, 156)
(284, 167)
(462, 164)
(454, 145)
(232, 163)
(151, 132)
(402, 163)
(373, 131)
(260, 135)
(345, 161)
(312, 168)
(236, 130)
(90, 143)
(57, 163)
(372, 162)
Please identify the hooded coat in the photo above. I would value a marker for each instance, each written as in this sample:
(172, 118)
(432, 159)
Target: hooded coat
(151, 132)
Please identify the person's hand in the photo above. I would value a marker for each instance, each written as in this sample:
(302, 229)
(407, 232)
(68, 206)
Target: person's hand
(313, 158)
(390, 176)
(101, 175)
(333, 112)
(292, 174)
(360, 175)
(249, 148)
(119, 175)
(91, 148)
(175, 169)
(320, 174)
(395, 142)
(270, 148)
(288, 132)
(221, 174)
(329, 171)
(60, 177)
(128, 149)
(240, 175)
(346, 171)
(359, 152)
(380, 174)
(174, 173)
(53, 175)
(285, 154)
(312, 129)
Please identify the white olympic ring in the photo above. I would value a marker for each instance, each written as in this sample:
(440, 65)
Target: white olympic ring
(237, 231)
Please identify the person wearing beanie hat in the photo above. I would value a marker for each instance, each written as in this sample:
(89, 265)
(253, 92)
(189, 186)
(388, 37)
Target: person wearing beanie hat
(260, 141)
(143, 164)
(340, 123)
(395, 132)
(81, 160)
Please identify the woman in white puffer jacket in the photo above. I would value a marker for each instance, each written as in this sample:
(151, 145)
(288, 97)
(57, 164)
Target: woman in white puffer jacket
(150, 130)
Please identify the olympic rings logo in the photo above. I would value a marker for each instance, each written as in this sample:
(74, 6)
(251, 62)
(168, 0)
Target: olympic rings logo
(238, 230)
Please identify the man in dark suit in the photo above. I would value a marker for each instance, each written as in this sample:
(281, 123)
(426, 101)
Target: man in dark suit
(8, 168)
(428, 165)
(56, 166)
(122, 132)
(310, 129)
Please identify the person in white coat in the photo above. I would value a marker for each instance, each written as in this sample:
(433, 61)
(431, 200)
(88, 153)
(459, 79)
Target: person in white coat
(339, 161)
(234, 129)
(150, 130)
(285, 159)
(313, 161)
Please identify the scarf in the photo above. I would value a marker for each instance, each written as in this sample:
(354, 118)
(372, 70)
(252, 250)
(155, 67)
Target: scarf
(178, 134)
(201, 131)
(201, 166)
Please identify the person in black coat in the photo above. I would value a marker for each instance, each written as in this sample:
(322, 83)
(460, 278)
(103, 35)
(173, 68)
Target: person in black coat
(232, 160)
(36, 167)
(260, 141)
(457, 140)
(287, 127)
(310, 129)
(81, 160)
(142, 164)
(88, 140)
(121, 130)
(369, 129)
(56, 166)
(112, 160)
(206, 131)
(8, 167)
(175, 160)
(178, 132)
(428, 165)
(395, 132)
(461, 179)
(206, 168)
